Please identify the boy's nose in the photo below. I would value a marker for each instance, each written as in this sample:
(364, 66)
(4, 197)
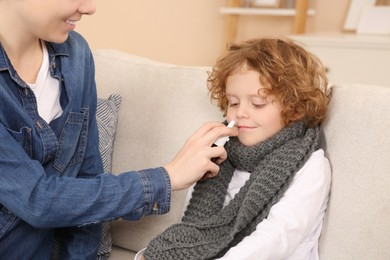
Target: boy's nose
(241, 112)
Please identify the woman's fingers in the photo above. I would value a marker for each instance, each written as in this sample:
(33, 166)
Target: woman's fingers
(195, 157)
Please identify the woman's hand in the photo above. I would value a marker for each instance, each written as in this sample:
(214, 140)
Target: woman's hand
(194, 159)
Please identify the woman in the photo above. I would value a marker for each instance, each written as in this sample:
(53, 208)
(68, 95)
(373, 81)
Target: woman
(50, 168)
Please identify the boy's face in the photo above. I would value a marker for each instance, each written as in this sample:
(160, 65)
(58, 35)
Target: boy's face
(257, 118)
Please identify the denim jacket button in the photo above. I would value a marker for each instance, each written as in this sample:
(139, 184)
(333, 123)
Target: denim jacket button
(155, 206)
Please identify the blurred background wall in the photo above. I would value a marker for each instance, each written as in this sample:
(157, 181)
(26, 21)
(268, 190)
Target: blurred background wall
(190, 32)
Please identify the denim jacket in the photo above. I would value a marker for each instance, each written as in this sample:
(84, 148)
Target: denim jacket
(51, 174)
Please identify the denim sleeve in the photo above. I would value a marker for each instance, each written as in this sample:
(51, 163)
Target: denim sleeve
(51, 201)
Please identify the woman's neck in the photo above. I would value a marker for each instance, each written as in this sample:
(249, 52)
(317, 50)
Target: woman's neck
(24, 50)
(25, 57)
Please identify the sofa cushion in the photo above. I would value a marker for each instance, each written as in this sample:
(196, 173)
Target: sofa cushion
(357, 143)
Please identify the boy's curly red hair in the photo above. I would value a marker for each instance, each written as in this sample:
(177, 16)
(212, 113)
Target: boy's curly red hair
(293, 75)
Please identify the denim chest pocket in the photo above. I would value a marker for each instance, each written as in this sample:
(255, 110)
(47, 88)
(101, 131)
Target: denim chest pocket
(73, 140)
(24, 138)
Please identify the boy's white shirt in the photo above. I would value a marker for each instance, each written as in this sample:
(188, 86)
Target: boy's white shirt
(293, 226)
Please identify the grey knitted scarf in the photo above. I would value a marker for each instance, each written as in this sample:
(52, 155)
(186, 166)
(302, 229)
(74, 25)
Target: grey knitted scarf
(208, 229)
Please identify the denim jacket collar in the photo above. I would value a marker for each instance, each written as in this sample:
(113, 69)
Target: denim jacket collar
(54, 50)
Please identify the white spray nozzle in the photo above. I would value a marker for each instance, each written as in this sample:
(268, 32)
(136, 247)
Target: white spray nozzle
(222, 140)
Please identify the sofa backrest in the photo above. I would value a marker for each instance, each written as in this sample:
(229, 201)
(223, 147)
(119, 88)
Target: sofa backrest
(163, 104)
(357, 140)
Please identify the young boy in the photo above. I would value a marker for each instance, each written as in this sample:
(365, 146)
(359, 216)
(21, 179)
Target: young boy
(269, 199)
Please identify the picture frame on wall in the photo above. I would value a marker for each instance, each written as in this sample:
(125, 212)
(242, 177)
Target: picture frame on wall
(354, 12)
(375, 21)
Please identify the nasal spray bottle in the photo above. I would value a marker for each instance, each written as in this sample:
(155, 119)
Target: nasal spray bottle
(219, 142)
(222, 140)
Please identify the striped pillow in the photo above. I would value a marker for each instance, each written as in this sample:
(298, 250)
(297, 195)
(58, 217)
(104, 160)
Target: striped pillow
(107, 118)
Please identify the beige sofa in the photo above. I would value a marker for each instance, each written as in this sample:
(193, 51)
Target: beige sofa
(162, 104)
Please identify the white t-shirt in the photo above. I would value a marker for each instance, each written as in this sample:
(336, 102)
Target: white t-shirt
(293, 226)
(47, 91)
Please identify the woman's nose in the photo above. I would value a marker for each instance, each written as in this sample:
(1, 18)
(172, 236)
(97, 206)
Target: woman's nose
(87, 7)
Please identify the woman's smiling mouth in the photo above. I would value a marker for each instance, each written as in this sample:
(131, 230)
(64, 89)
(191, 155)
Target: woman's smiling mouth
(71, 22)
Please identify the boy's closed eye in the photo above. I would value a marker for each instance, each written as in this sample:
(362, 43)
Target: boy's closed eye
(259, 102)
(259, 105)
(233, 104)
(256, 103)
(233, 101)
